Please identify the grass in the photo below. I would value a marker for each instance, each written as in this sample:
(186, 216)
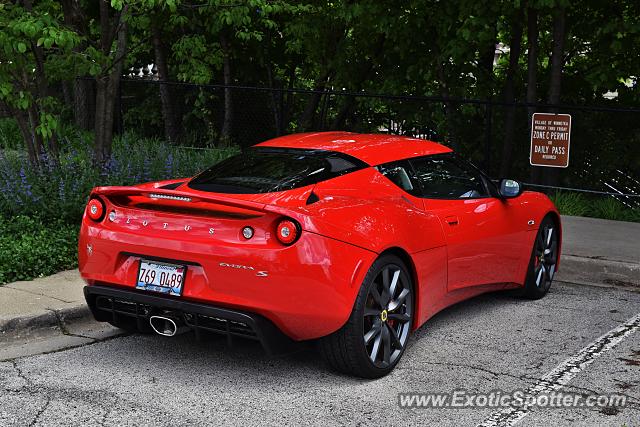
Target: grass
(604, 207)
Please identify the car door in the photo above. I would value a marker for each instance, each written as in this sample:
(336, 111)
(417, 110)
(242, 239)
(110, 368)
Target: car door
(482, 234)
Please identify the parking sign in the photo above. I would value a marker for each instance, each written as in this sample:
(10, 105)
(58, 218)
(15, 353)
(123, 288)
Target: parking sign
(550, 138)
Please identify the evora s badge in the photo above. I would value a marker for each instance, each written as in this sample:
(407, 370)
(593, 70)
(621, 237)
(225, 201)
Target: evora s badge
(245, 267)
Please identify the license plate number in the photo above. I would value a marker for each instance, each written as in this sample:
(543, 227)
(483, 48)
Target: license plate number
(161, 277)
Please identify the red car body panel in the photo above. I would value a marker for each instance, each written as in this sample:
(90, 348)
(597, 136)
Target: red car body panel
(455, 248)
(373, 149)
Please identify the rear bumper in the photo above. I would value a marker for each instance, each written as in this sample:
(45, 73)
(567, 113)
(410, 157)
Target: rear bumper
(308, 291)
(113, 304)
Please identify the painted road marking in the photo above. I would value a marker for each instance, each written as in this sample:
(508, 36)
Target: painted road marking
(564, 372)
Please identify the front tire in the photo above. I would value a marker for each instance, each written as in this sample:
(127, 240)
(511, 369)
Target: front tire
(374, 338)
(544, 258)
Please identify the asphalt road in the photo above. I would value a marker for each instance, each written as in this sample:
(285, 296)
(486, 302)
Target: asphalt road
(493, 342)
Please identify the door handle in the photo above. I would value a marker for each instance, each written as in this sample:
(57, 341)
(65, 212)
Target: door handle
(451, 220)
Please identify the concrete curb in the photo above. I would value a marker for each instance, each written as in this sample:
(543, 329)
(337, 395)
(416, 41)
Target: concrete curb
(49, 319)
(583, 270)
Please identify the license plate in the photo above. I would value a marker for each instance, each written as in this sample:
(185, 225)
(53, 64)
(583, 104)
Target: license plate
(161, 277)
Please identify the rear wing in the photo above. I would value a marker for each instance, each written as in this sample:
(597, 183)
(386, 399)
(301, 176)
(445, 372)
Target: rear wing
(176, 197)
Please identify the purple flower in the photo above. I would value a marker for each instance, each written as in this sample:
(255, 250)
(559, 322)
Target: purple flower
(168, 167)
(25, 184)
(145, 169)
(61, 190)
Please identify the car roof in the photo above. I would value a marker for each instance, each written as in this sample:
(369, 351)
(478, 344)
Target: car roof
(373, 149)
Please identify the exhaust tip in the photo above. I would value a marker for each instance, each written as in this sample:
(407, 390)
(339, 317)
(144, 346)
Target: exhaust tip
(164, 326)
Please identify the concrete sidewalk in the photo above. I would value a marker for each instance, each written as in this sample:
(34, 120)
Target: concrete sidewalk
(45, 302)
(595, 252)
(600, 252)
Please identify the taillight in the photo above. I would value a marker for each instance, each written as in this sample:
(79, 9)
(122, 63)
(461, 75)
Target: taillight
(288, 231)
(95, 209)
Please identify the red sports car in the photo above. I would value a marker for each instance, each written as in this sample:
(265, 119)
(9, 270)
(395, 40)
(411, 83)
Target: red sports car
(353, 240)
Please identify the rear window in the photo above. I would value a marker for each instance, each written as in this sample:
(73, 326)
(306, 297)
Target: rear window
(266, 170)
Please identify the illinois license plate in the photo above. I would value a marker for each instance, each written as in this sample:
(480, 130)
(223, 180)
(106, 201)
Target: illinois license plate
(161, 277)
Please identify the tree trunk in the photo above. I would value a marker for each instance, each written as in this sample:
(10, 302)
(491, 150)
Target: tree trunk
(276, 100)
(287, 101)
(509, 93)
(341, 118)
(551, 176)
(486, 59)
(169, 117)
(557, 56)
(32, 115)
(227, 122)
(363, 74)
(532, 75)
(307, 120)
(532, 60)
(449, 109)
(27, 135)
(83, 97)
(107, 85)
(83, 100)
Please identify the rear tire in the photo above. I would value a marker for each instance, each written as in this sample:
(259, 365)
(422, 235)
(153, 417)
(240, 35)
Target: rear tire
(543, 261)
(374, 338)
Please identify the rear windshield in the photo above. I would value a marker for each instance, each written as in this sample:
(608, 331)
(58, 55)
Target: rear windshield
(265, 170)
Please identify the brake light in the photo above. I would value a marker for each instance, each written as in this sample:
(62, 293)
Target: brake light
(95, 209)
(288, 231)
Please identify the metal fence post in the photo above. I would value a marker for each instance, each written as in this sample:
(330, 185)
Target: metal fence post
(487, 131)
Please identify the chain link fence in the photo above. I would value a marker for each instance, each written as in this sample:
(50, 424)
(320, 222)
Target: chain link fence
(605, 141)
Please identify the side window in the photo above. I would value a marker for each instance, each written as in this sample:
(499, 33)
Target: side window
(399, 174)
(446, 177)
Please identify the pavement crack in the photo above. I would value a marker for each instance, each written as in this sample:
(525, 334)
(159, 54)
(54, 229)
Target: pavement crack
(71, 347)
(60, 321)
(63, 326)
(21, 374)
(41, 411)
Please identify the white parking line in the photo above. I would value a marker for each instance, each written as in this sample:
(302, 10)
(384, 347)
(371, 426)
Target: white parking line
(564, 372)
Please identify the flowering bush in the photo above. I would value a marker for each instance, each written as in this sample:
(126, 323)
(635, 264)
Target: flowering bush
(58, 189)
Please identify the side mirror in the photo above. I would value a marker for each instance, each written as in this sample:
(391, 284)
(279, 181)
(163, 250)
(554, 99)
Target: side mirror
(510, 188)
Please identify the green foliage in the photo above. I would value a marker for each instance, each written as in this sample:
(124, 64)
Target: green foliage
(30, 248)
(37, 49)
(59, 189)
(10, 138)
(578, 204)
(574, 204)
(40, 209)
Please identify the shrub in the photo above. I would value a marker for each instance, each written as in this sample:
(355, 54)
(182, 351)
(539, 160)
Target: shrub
(574, 204)
(607, 207)
(58, 190)
(29, 248)
(10, 136)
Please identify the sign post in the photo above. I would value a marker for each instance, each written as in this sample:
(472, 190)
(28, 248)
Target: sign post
(550, 137)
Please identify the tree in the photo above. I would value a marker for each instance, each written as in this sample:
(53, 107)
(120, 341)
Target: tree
(36, 52)
(83, 95)
(212, 31)
(509, 89)
(107, 69)
(170, 117)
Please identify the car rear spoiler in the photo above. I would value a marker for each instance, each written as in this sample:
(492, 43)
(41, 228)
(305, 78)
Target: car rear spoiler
(156, 194)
